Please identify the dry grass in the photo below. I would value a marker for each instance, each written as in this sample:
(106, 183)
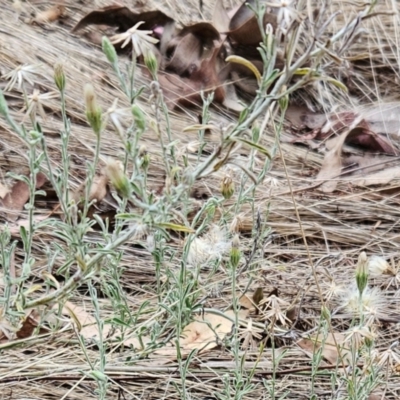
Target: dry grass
(305, 225)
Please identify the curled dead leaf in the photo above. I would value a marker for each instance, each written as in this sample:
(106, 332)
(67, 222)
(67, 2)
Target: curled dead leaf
(186, 92)
(332, 164)
(244, 28)
(123, 18)
(204, 31)
(29, 323)
(185, 54)
(203, 334)
(339, 354)
(15, 200)
(98, 190)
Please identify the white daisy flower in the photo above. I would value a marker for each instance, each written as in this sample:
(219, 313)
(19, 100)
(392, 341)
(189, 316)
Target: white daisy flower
(141, 40)
(21, 74)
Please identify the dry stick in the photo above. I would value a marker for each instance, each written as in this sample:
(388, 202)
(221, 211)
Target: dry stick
(313, 269)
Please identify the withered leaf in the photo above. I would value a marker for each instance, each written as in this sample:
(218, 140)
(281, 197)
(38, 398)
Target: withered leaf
(187, 91)
(204, 31)
(98, 190)
(85, 323)
(30, 322)
(185, 50)
(123, 18)
(203, 334)
(220, 17)
(208, 77)
(185, 54)
(178, 91)
(377, 178)
(370, 141)
(244, 28)
(15, 200)
(87, 326)
(245, 84)
(332, 165)
(333, 354)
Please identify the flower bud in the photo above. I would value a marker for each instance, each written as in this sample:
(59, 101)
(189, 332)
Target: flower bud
(98, 375)
(146, 161)
(151, 63)
(235, 252)
(150, 243)
(255, 133)
(93, 111)
(118, 178)
(236, 224)
(227, 187)
(109, 50)
(145, 157)
(269, 31)
(139, 118)
(362, 272)
(325, 313)
(59, 77)
(73, 209)
(284, 100)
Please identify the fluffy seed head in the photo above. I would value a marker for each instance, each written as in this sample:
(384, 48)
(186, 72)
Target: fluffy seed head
(378, 266)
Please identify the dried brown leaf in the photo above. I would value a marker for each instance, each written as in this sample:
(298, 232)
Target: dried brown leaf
(30, 322)
(98, 190)
(377, 178)
(244, 28)
(220, 17)
(186, 92)
(203, 334)
(185, 54)
(4, 190)
(231, 101)
(88, 328)
(246, 302)
(16, 199)
(85, 323)
(123, 18)
(332, 165)
(334, 355)
(204, 31)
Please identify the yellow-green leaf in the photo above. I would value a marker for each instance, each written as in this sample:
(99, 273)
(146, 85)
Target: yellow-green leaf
(302, 71)
(246, 63)
(338, 84)
(175, 227)
(198, 127)
(32, 289)
(255, 146)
